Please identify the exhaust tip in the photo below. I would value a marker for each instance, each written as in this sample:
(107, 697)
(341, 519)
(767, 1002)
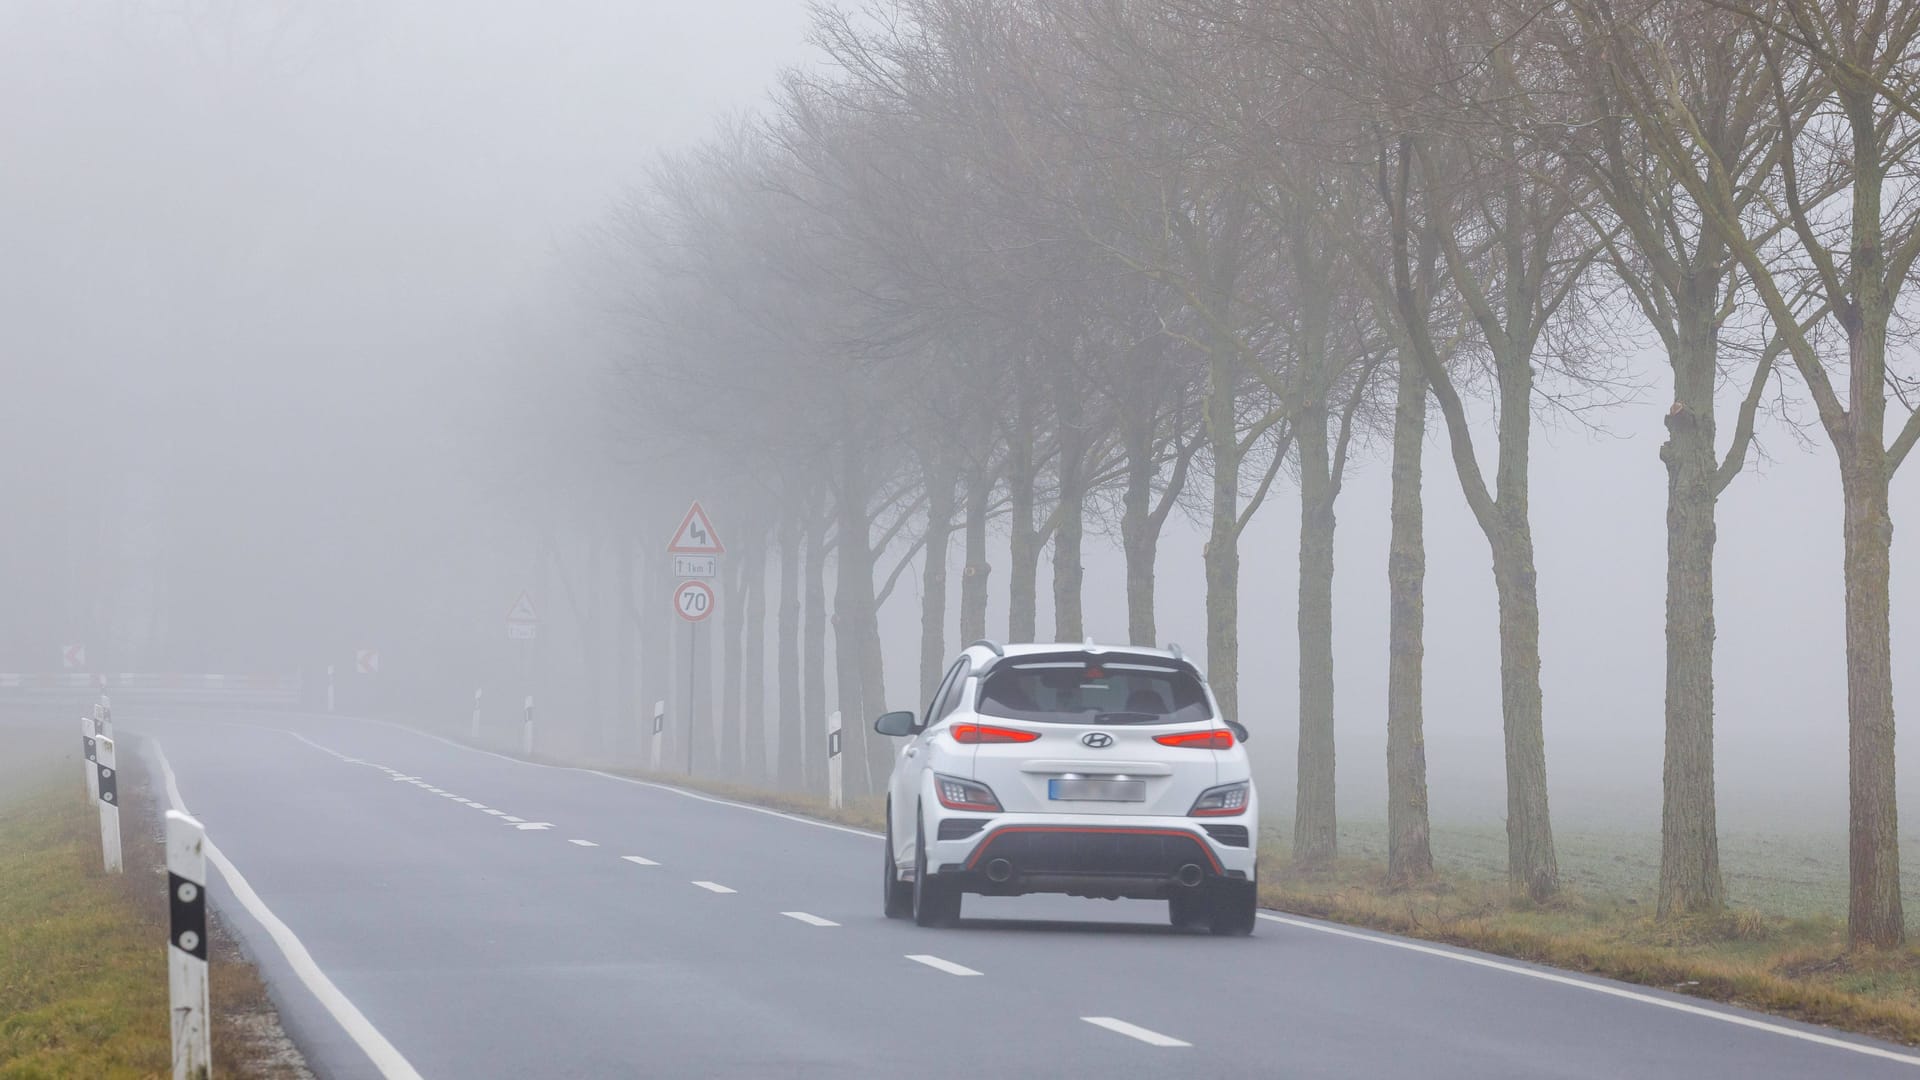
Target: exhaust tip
(1189, 875)
(1000, 870)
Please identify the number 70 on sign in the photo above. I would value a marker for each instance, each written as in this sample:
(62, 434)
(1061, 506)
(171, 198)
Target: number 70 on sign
(694, 600)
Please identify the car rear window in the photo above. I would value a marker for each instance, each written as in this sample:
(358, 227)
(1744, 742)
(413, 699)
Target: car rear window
(1093, 690)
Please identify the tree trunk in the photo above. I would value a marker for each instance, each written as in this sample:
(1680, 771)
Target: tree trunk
(1531, 864)
(1314, 820)
(733, 626)
(1689, 836)
(1069, 622)
(933, 582)
(1222, 553)
(790, 716)
(1139, 540)
(1023, 541)
(813, 657)
(973, 580)
(626, 710)
(1874, 913)
(1409, 845)
(853, 563)
(753, 713)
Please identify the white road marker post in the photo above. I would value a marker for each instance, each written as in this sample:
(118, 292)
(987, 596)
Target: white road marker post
(526, 730)
(475, 732)
(88, 755)
(833, 759)
(187, 948)
(659, 733)
(329, 687)
(109, 804)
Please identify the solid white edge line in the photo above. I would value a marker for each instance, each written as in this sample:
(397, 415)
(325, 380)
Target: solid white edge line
(1135, 1031)
(938, 964)
(713, 886)
(1601, 988)
(639, 860)
(583, 843)
(810, 920)
(385, 1057)
(610, 776)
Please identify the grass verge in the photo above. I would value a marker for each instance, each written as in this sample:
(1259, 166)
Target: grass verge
(1792, 967)
(83, 961)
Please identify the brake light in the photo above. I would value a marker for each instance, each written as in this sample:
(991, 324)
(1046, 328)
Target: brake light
(1227, 800)
(1212, 739)
(958, 794)
(973, 734)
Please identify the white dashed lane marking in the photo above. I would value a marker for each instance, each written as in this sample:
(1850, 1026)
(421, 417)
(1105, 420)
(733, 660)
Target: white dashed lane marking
(938, 964)
(1134, 1031)
(810, 920)
(583, 843)
(639, 861)
(712, 887)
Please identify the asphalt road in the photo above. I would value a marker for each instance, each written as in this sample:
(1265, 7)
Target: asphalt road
(494, 918)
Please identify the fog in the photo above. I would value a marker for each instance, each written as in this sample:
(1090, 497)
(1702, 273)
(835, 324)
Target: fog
(297, 361)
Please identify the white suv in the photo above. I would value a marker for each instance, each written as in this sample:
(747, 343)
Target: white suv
(1080, 769)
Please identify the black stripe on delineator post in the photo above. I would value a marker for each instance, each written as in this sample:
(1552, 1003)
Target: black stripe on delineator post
(833, 743)
(187, 910)
(109, 785)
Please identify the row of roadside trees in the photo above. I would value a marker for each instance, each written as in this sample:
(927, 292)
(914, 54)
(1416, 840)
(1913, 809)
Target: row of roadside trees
(1025, 266)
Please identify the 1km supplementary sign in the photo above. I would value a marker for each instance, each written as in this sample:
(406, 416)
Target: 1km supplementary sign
(693, 600)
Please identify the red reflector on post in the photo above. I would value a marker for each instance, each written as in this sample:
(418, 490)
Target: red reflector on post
(1216, 739)
(972, 734)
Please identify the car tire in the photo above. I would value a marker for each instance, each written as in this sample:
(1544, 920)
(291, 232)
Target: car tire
(896, 895)
(1189, 909)
(1234, 908)
(935, 902)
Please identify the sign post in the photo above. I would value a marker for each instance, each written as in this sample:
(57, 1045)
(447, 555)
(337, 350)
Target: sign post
(659, 732)
(109, 804)
(696, 551)
(475, 731)
(187, 947)
(88, 760)
(833, 759)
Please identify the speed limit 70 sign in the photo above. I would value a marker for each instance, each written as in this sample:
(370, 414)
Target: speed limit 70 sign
(693, 600)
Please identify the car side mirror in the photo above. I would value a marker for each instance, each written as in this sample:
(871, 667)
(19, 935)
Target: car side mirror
(1239, 730)
(895, 723)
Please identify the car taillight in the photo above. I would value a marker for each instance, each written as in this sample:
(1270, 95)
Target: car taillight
(958, 794)
(987, 733)
(1212, 739)
(1223, 801)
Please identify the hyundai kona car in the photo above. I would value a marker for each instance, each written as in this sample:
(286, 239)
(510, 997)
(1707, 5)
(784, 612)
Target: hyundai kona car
(1092, 771)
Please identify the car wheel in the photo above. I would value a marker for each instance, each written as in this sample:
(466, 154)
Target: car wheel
(896, 895)
(935, 902)
(1188, 909)
(1233, 908)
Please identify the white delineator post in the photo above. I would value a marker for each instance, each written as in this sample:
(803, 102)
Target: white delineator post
(109, 803)
(659, 733)
(526, 729)
(88, 756)
(833, 759)
(475, 732)
(187, 948)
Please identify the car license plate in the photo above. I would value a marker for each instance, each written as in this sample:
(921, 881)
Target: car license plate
(1097, 790)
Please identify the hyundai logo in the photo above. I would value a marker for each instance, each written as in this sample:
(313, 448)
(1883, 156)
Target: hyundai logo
(1098, 740)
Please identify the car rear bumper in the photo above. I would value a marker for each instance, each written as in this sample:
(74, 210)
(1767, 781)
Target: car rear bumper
(1011, 854)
